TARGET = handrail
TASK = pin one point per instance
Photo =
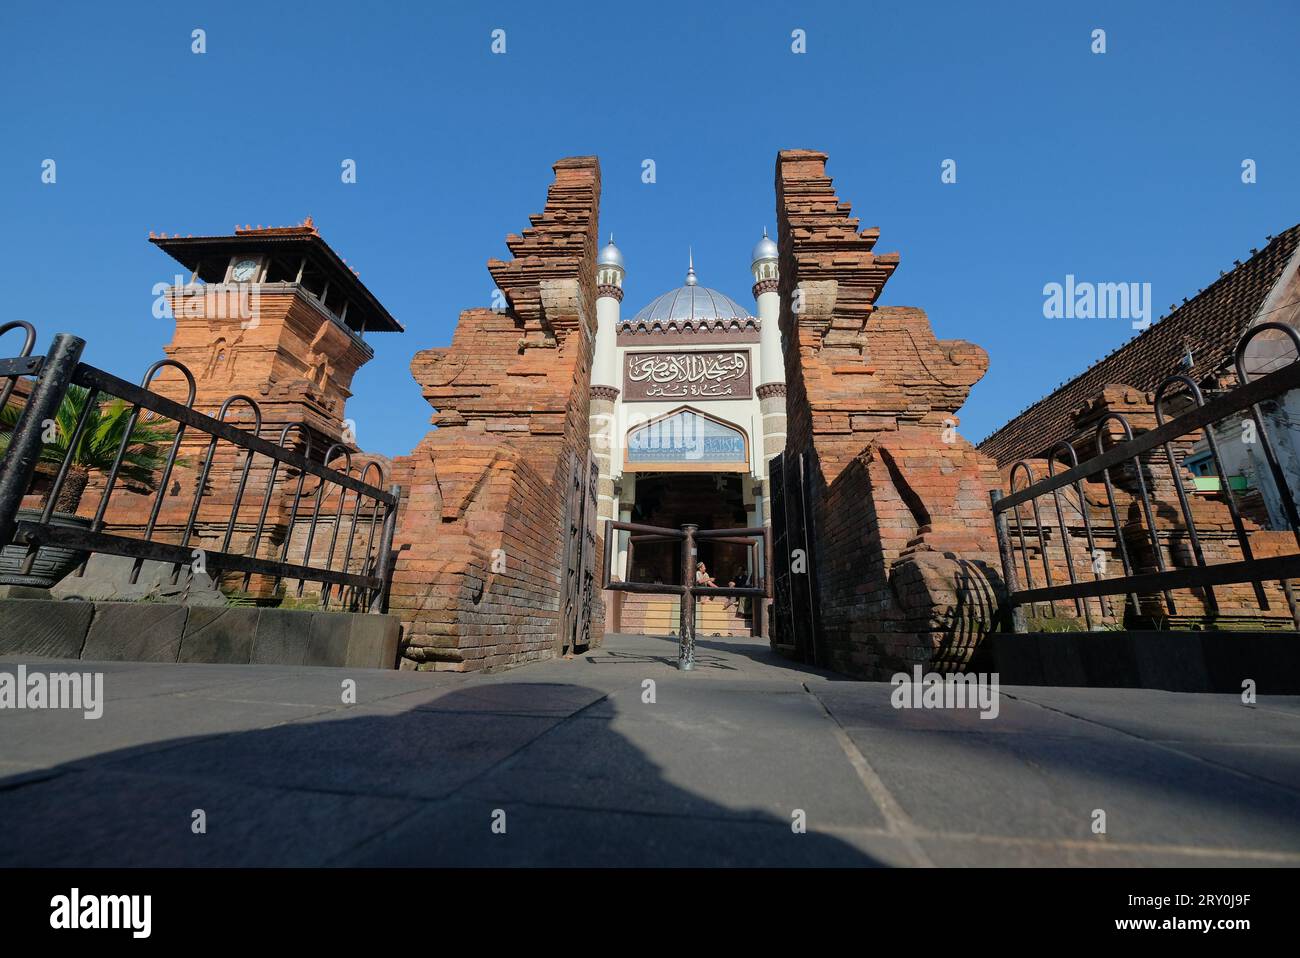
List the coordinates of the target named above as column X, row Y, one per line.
column 61, row 369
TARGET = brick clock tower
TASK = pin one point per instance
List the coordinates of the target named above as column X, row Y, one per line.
column 273, row 314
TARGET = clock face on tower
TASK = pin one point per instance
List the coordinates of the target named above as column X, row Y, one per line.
column 244, row 270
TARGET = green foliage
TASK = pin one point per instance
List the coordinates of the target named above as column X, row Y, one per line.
column 1060, row 623
column 146, row 452
column 308, row 603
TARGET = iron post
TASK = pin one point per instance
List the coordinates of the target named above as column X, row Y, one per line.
column 24, row 453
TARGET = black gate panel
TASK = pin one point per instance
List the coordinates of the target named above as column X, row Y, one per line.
column 781, row 626
column 794, row 619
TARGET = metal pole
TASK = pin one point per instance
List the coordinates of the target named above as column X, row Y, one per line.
column 383, row 566
column 608, row 556
column 686, row 631
column 1009, row 581
column 20, row 461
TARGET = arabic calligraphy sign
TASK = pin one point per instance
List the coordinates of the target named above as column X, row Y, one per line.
column 716, row 374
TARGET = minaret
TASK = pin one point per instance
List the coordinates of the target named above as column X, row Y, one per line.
column 604, row 372
column 771, row 365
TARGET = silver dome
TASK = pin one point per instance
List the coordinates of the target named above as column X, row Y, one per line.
column 610, row 255
column 690, row 302
column 765, row 249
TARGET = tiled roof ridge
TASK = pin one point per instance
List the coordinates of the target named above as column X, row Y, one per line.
column 306, row 228
column 703, row 324
column 1289, row 236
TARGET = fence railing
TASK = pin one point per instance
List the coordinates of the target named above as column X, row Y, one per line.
column 1245, row 398
column 688, row 535
column 55, row 373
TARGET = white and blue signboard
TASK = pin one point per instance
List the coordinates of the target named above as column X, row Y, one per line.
column 686, row 437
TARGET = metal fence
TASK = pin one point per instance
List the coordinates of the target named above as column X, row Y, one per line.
column 54, row 373
column 688, row 590
column 1244, row 398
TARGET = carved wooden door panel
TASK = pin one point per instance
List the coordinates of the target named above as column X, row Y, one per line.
column 587, row 563
column 578, row 594
column 569, row 543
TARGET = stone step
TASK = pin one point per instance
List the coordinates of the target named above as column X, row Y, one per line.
column 659, row 615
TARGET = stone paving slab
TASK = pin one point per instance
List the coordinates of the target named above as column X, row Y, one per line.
column 866, row 705
column 50, row 738
column 142, row 680
column 542, row 835
column 362, row 750
column 108, row 817
column 589, row 773
column 757, row 757
column 951, row 851
column 1047, row 787
column 1171, row 716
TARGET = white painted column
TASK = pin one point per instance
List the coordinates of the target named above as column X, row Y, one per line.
column 771, row 372
column 603, row 407
column 771, row 360
column 604, row 360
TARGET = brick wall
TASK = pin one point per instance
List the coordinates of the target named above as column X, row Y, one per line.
column 905, row 551
column 490, row 482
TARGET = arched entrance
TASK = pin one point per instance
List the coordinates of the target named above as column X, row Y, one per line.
column 685, row 467
column 672, row 499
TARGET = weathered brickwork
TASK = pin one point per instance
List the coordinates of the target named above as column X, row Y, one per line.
column 479, row 575
column 904, row 541
column 479, row 547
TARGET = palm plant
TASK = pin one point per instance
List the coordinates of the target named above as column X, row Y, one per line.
column 96, row 450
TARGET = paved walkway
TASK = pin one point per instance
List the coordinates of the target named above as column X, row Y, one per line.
column 581, row 770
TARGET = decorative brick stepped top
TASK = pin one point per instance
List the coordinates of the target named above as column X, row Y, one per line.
column 511, row 397
column 853, row 369
column 899, row 501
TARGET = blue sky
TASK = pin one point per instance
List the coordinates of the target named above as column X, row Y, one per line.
column 1120, row 167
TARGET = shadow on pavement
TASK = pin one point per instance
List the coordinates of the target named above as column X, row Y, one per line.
column 419, row 786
